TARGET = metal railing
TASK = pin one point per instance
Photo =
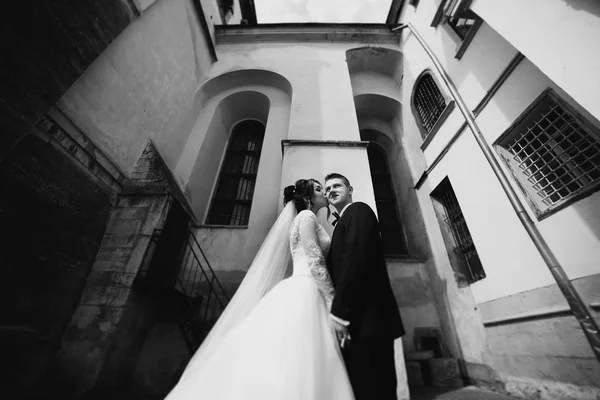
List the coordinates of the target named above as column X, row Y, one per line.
column 203, row 292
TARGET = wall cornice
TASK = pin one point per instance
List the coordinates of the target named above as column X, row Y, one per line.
column 372, row 34
column 323, row 143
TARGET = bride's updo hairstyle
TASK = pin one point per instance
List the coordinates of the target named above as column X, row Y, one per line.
column 300, row 194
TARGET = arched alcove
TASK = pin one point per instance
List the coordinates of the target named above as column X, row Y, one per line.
column 221, row 104
column 240, row 78
column 375, row 70
column 237, row 107
column 377, row 106
column 377, row 60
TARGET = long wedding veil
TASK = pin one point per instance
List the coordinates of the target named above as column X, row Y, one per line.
column 267, row 269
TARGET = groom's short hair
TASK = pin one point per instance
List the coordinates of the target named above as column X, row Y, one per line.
column 335, row 175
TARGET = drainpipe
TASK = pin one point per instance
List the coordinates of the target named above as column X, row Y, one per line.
column 589, row 326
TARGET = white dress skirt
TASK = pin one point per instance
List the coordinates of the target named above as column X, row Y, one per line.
column 285, row 349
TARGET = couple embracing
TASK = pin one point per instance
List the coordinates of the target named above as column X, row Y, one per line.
column 325, row 333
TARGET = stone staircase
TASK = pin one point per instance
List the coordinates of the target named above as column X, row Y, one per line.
column 429, row 366
column 424, row 370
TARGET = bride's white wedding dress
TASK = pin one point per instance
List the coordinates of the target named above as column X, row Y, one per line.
column 285, row 348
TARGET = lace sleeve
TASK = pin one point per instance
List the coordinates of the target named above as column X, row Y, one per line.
column 316, row 259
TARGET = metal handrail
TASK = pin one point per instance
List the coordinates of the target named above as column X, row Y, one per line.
column 195, row 241
column 195, row 272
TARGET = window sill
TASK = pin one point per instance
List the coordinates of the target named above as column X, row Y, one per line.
column 447, row 111
column 541, row 215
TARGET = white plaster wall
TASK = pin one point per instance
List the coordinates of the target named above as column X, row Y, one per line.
column 473, row 75
column 559, row 36
column 322, row 108
column 322, row 104
column 142, row 86
column 373, row 83
column 233, row 249
column 573, row 234
column 316, row 162
column 511, row 262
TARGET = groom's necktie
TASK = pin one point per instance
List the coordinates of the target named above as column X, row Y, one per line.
column 337, row 217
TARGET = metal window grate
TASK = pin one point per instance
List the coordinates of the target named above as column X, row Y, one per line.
column 554, row 153
column 429, row 102
column 465, row 247
column 233, row 197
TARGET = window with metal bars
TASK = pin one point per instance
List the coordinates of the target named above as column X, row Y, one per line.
column 462, row 26
column 392, row 232
column 465, row 28
column 554, row 154
column 232, row 200
column 467, row 265
column 429, row 105
column 461, row 19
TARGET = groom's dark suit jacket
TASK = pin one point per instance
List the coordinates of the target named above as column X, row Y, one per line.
column 363, row 294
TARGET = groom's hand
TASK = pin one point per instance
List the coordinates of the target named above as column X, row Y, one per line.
column 342, row 333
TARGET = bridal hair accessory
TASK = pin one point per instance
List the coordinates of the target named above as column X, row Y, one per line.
column 289, row 192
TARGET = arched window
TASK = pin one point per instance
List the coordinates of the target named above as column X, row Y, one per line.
column 429, row 105
column 392, row 232
column 232, row 199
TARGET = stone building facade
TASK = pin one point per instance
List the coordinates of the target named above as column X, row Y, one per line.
column 148, row 127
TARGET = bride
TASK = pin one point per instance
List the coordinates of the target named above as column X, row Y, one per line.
column 275, row 341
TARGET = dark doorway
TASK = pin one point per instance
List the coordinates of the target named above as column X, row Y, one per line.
column 392, row 231
column 163, row 270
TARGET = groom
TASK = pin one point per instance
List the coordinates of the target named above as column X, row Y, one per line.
column 364, row 310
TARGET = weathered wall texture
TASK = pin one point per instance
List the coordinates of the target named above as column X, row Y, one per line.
column 547, row 346
column 47, row 46
column 143, row 85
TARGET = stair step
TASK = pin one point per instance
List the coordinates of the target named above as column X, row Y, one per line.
column 443, row 372
column 436, row 372
column 419, row 355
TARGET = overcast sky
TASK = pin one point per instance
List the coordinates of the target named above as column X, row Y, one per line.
column 363, row 11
